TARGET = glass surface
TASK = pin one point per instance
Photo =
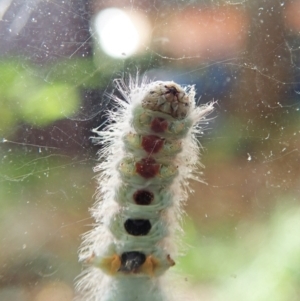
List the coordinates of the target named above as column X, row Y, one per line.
column 57, row 66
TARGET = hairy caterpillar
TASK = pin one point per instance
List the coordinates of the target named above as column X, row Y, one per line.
column 149, row 152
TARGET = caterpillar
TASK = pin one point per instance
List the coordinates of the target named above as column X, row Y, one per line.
column 149, row 153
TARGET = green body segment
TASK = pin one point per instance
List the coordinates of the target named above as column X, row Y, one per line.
column 157, row 232
column 134, row 144
column 175, row 129
column 128, row 171
column 161, row 198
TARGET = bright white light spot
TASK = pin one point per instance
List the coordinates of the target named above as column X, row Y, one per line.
column 117, row 34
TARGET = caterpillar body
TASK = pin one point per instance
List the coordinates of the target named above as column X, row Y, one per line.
column 149, row 152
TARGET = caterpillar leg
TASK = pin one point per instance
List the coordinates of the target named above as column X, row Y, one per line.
column 110, row 265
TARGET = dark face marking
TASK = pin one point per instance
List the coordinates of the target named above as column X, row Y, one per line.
column 159, row 125
column 171, row 90
column 152, row 144
column 143, row 197
column 131, row 261
column 147, row 168
column 137, row 227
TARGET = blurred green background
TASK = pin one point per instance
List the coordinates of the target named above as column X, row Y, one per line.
column 242, row 228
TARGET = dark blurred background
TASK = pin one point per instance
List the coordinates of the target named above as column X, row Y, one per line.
column 58, row 60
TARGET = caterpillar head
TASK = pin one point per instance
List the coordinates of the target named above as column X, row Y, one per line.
column 168, row 98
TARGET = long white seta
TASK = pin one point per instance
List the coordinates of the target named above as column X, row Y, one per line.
column 149, row 151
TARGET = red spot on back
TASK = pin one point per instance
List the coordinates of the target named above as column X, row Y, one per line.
column 159, row 125
column 147, row 168
column 152, row 144
column 143, row 197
